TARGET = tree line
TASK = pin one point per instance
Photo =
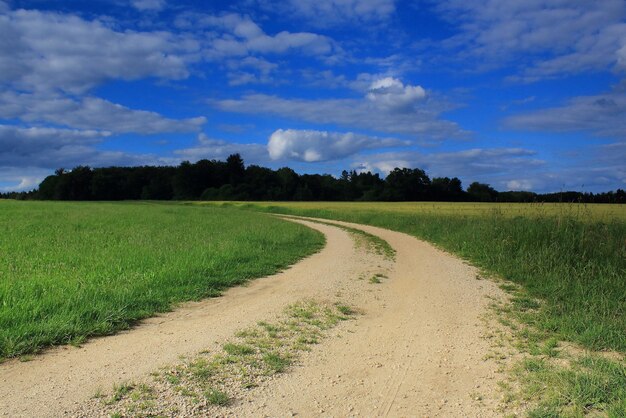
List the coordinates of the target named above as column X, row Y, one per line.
column 232, row 180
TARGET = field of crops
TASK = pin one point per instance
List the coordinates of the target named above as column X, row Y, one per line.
column 581, row 212
column 73, row 270
column 572, row 257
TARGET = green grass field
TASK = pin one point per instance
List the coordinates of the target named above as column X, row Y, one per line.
column 572, row 257
column 73, row 270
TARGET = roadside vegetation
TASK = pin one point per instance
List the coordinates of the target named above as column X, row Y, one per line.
column 69, row 271
column 548, row 377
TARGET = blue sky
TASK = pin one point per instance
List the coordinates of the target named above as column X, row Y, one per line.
column 520, row 94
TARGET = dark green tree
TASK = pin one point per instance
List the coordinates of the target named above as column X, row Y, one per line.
column 235, row 169
column 480, row 192
column 446, row 189
column 407, row 184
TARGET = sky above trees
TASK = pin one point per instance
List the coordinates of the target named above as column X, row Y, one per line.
column 520, row 94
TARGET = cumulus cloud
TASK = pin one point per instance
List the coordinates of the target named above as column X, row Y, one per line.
column 500, row 167
column 602, row 115
column 610, row 159
column 542, row 38
column 238, row 35
column 250, row 70
column 598, row 168
column 42, row 146
column 316, row 146
column 29, row 154
column 33, row 138
column 48, row 63
column 218, row 149
column 50, row 51
column 519, row 184
column 621, row 57
column 148, row 5
column 89, row 113
column 391, row 93
column 323, row 13
column 395, row 109
column 27, row 178
column 51, row 148
column 472, row 162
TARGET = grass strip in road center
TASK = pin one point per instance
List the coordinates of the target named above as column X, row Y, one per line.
column 210, row 381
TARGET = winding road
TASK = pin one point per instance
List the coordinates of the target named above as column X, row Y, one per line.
column 417, row 350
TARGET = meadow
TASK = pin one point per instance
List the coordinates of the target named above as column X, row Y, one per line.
column 69, row 271
column 571, row 257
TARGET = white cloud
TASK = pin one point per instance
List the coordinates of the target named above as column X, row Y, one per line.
column 250, row 70
column 315, row 146
column 209, row 148
column 496, row 166
column 89, row 113
column 475, row 161
column 519, row 184
column 49, row 51
column 597, row 168
column 148, row 5
column 621, row 57
column 391, row 93
column 45, row 147
column 403, row 109
column 261, row 65
column 21, row 179
column 232, row 35
column 542, row 38
column 240, row 78
column 48, row 63
column 603, row 115
column 322, row 78
column 24, row 183
column 610, row 159
column 323, row 13
column 28, row 155
column 53, row 148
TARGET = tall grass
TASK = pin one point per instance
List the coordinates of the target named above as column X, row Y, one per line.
column 73, row 270
column 590, row 212
column 572, row 259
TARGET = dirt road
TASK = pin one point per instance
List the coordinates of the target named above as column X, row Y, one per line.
column 416, row 351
